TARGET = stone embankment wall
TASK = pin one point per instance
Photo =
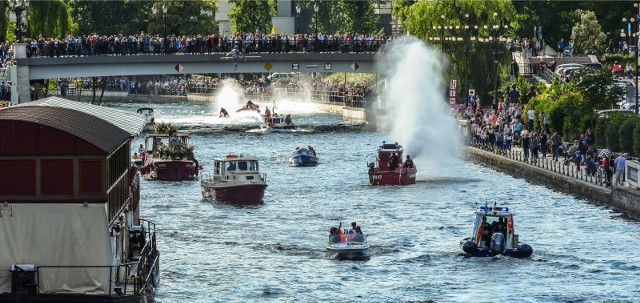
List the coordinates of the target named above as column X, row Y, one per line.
column 624, row 199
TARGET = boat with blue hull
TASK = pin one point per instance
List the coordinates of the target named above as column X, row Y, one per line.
column 304, row 157
column 494, row 234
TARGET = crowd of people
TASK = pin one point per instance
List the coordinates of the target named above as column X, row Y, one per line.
column 508, row 126
column 351, row 94
column 90, row 45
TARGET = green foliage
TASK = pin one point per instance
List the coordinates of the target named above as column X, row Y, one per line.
column 597, row 87
column 181, row 151
column 247, row 16
column 600, row 131
column 400, row 10
column 625, row 133
column 612, row 58
column 49, row 19
column 343, row 17
column 424, row 18
column 133, row 17
column 165, row 128
column 611, row 132
column 587, row 34
column 636, row 140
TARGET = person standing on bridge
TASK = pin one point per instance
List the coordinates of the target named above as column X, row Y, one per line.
column 235, row 54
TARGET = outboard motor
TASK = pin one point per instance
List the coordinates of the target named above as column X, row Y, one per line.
column 497, row 242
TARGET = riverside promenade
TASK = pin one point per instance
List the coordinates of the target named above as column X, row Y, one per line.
column 558, row 176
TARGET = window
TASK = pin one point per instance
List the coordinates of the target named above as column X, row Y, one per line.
column 242, row 165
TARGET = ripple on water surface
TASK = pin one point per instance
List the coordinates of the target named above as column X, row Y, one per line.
column 214, row 252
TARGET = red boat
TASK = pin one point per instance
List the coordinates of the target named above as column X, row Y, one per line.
column 236, row 179
column 250, row 106
column 389, row 167
column 169, row 158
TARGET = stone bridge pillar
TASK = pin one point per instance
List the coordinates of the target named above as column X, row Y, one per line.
column 22, row 85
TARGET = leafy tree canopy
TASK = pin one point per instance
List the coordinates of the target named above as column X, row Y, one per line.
column 587, row 34
column 248, row 16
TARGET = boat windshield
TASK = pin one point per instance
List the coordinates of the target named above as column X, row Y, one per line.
column 347, row 238
column 242, row 166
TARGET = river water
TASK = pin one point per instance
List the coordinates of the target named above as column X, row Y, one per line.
column 214, row 252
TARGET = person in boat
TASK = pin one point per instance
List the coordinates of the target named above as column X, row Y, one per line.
column 408, row 163
column 223, row 113
column 267, row 113
column 358, row 230
column 174, row 141
column 394, row 162
column 486, row 231
column 499, row 226
column 287, row 120
column 313, row 151
column 135, row 156
column 353, row 228
column 140, row 149
column 335, row 230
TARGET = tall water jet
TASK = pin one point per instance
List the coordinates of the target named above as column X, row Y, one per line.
column 414, row 101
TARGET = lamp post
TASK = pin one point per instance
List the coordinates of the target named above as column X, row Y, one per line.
column 316, row 8
column 634, row 37
column 165, row 9
column 441, row 27
column 154, row 11
column 19, row 6
column 497, row 28
column 298, row 10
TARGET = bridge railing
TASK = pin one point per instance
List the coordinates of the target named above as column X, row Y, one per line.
column 111, row 47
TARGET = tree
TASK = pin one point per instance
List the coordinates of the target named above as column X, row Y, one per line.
column 588, row 35
column 343, row 17
column 401, row 8
column 185, row 18
column 48, row 18
column 133, row 17
column 248, row 16
column 424, row 20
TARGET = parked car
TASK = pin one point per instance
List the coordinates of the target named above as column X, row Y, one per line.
column 607, row 112
column 282, row 77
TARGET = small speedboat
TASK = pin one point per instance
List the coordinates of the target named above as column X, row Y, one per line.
column 494, row 234
column 303, row 157
column 348, row 246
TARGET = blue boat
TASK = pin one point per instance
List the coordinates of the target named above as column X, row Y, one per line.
column 494, row 234
column 304, row 157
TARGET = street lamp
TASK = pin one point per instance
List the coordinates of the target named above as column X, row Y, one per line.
column 298, row 9
column 635, row 20
column 19, row 6
column 316, row 8
column 164, row 15
column 441, row 26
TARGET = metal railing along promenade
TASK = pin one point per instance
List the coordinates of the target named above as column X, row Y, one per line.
column 564, row 166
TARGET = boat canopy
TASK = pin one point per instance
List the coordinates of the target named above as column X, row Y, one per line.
column 145, row 110
column 235, row 164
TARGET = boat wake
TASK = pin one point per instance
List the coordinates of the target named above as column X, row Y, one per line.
column 204, row 128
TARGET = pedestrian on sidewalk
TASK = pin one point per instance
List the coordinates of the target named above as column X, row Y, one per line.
column 556, row 141
column 619, row 163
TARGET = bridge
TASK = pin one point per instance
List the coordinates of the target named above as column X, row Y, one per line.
column 28, row 69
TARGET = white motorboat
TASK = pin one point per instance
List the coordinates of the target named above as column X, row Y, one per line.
column 348, row 246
